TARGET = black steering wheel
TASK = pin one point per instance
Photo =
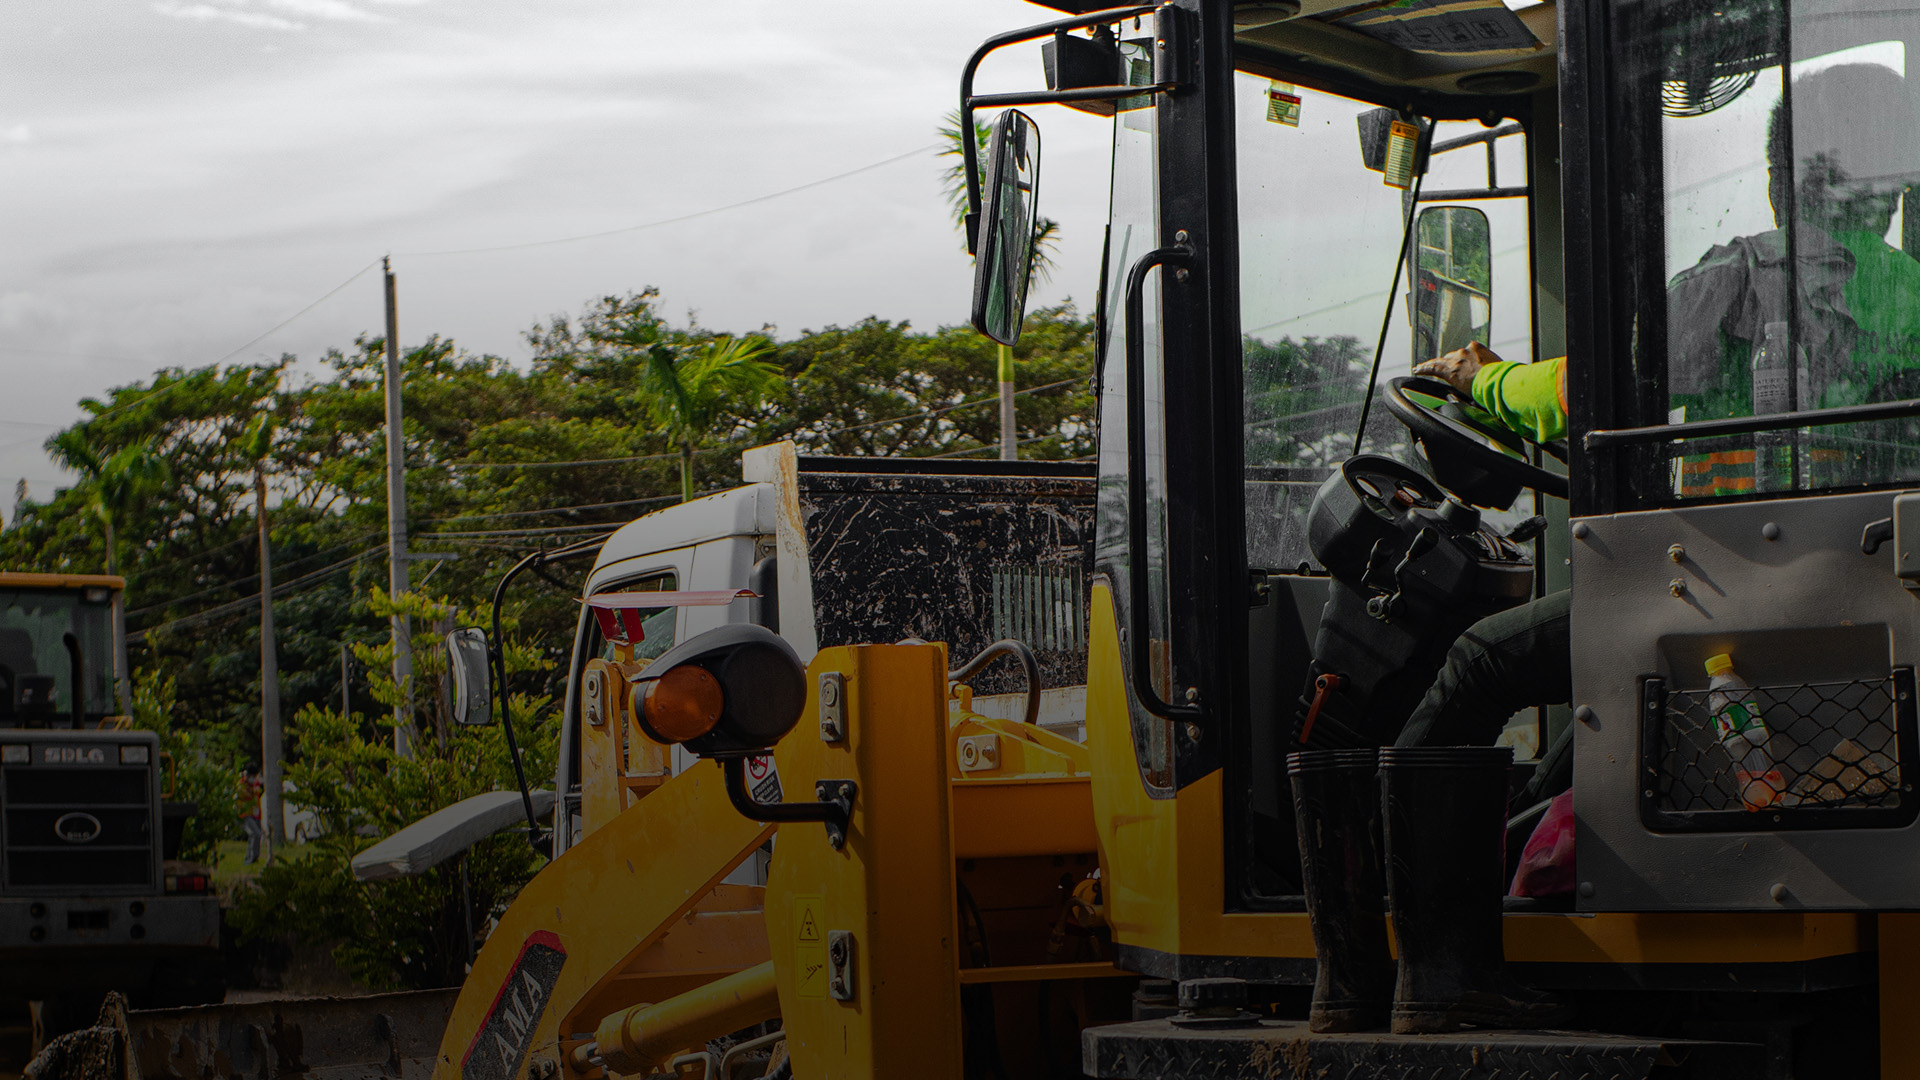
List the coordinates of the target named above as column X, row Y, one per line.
column 1473, row 456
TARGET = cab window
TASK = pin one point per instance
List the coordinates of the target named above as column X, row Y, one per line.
column 1782, row 257
column 1320, row 235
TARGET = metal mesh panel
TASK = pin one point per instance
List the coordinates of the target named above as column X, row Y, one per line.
column 1831, row 751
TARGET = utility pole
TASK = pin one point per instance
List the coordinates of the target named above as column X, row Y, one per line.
column 397, row 530
column 1009, row 435
column 270, row 741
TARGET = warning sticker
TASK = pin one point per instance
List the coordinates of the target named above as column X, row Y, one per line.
column 763, row 779
column 1283, row 104
column 809, row 947
column 1403, row 139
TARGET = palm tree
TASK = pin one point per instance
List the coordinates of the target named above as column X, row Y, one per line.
column 690, row 390
column 112, row 485
column 1040, row 250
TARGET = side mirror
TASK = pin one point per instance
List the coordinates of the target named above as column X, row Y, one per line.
column 733, row 691
column 472, row 676
column 1008, row 212
column 1452, row 281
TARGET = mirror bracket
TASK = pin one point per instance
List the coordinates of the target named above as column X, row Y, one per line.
column 833, row 808
column 970, row 154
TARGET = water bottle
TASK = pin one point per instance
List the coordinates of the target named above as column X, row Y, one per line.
column 1738, row 725
column 1778, row 370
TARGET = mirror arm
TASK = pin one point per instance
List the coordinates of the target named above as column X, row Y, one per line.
column 969, row 152
column 834, row 807
column 496, row 649
column 1137, row 572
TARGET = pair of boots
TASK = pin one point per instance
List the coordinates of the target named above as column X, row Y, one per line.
column 1442, row 813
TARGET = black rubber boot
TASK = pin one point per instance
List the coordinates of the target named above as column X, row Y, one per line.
column 1445, row 817
column 1337, row 812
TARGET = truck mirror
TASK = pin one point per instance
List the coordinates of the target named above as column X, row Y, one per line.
column 1452, row 281
column 1008, row 212
column 732, row 691
column 470, row 658
column 1376, row 131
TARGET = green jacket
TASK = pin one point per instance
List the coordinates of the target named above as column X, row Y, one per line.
column 1528, row 398
column 1859, row 318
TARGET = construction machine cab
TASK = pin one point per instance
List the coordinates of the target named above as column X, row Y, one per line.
column 1638, row 187
column 57, row 660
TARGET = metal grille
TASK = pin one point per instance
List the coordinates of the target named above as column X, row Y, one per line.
column 1043, row 605
column 113, row 804
column 1831, row 757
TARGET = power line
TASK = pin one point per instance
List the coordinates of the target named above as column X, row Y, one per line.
column 674, row 220
column 924, row 414
column 243, row 603
column 550, row 510
column 183, row 381
column 237, row 582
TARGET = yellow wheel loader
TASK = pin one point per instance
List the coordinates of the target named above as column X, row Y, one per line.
column 801, row 832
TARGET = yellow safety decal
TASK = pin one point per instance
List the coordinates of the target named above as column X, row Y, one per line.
column 1403, row 141
column 809, row 946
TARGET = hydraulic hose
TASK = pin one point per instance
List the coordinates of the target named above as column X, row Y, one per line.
column 1006, row 647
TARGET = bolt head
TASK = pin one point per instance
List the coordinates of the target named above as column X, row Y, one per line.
column 1580, row 530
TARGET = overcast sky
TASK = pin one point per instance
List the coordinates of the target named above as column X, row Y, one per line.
column 179, row 176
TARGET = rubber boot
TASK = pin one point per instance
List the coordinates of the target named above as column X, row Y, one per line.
column 1337, row 812
column 1444, row 809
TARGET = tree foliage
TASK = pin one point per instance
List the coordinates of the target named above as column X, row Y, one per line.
column 620, row 412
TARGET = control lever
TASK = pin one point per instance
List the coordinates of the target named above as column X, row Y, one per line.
column 1527, row 529
column 1874, row 535
column 1387, row 607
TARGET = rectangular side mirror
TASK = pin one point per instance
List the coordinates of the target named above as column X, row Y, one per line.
column 1003, row 260
column 470, row 657
column 1452, row 281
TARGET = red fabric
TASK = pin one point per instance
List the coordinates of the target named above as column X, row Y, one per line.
column 1546, row 863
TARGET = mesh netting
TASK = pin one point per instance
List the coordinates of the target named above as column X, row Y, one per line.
column 1825, row 746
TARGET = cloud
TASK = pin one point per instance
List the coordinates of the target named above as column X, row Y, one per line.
column 338, row 10
column 18, row 133
column 210, row 13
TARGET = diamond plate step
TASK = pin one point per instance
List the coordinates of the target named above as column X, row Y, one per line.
column 1162, row 1050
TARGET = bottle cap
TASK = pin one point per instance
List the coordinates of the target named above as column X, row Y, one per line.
column 1719, row 664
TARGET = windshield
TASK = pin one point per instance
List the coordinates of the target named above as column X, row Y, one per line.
column 35, row 663
column 1784, row 145
column 1320, row 234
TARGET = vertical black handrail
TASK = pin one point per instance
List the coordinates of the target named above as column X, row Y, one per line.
column 1139, row 595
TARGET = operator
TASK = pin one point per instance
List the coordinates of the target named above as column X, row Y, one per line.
column 1856, row 136
column 1521, row 656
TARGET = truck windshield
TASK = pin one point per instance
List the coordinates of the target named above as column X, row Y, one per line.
column 1783, row 142
column 1319, row 236
column 33, row 626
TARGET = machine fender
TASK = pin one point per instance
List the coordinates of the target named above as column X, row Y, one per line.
column 576, row 926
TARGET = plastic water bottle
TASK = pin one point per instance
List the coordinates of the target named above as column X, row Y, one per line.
column 1777, row 368
column 1738, row 724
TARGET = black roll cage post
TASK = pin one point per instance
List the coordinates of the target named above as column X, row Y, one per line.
column 497, row 648
column 970, row 154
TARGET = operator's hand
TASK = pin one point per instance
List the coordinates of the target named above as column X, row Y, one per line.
column 1458, row 367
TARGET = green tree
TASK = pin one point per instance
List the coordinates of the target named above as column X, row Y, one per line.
column 405, row 933
column 703, row 390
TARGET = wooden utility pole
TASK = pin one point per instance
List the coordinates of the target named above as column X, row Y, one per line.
column 270, row 741
column 397, row 530
column 1009, row 434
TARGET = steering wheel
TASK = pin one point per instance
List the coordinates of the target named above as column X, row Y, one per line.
column 1472, row 454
